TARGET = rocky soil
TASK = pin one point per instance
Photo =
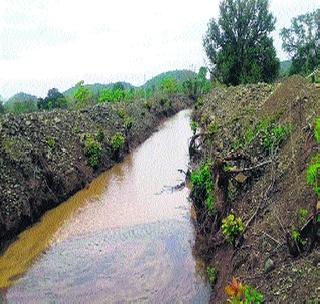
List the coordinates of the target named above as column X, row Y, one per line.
column 43, row 156
column 259, row 141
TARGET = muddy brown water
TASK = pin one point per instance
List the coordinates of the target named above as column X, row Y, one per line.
column 126, row 239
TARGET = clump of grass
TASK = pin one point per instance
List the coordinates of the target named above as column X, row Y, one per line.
column 201, row 181
column 212, row 273
column 117, row 142
column 194, row 126
column 317, row 131
column 51, row 142
column 213, row 128
column 313, row 174
column 128, row 123
column 93, row 150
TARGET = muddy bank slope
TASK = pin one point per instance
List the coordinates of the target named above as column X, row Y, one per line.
column 46, row 157
column 258, row 142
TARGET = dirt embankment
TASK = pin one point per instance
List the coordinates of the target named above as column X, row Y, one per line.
column 47, row 157
column 259, row 141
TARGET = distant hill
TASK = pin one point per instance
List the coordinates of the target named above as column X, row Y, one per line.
column 179, row 75
column 96, row 88
column 2, row 99
column 285, row 67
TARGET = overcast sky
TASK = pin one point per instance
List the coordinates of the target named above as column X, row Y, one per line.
column 56, row 43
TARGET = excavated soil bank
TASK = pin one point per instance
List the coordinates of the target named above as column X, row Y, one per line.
column 264, row 185
column 43, row 158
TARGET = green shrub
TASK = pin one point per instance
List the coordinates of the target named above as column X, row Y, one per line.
column 296, row 236
column 93, row 150
column 232, row 227
column 117, row 142
column 51, row 142
column 317, row 130
column 313, row 174
column 212, row 273
column 147, row 105
column 194, row 126
column 100, row 136
column 122, row 113
column 128, row 123
column 212, row 128
column 302, row 216
column 201, row 180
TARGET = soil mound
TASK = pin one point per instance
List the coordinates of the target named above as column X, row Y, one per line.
column 259, row 141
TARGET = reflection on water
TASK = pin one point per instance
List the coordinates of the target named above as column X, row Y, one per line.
column 117, row 241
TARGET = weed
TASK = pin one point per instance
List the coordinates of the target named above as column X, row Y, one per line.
column 201, row 180
column 313, row 174
column 317, row 130
column 117, row 142
column 212, row 273
column 128, row 123
column 100, row 136
column 147, row 105
column 296, row 237
column 51, row 142
column 302, row 216
column 194, row 126
column 239, row 293
column 122, row 113
column 232, row 227
column 93, row 150
column 213, row 128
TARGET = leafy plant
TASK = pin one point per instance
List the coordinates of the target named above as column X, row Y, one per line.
column 201, row 180
column 317, row 130
column 239, row 293
column 93, row 150
column 128, row 123
column 313, row 174
column 296, row 236
column 100, row 136
column 212, row 128
column 212, row 273
column 51, row 142
column 194, row 126
column 122, row 113
column 117, row 142
column 232, row 227
column 302, row 216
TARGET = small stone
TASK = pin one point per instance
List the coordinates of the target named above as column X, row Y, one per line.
column 269, row 265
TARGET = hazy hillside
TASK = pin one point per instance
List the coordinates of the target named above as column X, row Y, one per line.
column 179, row 75
column 21, row 102
column 96, row 88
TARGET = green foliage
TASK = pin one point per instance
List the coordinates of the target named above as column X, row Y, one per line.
column 300, row 41
column 117, row 142
column 238, row 44
column 317, row 130
column 213, row 128
column 253, row 296
column 212, row 273
column 2, row 110
column 302, row 216
column 51, row 142
column 201, row 180
column 313, row 174
column 232, row 227
column 100, row 136
column 54, row 99
column 147, row 104
column 197, row 85
column 93, row 151
column 296, row 237
column 169, row 86
column 194, row 126
column 122, row 113
column 128, row 123
column 82, row 94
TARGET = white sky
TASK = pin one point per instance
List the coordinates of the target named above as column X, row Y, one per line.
column 56, row 43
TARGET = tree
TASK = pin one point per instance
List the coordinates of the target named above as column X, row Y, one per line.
column 82, row 95
column 169, row 86
column 302, row 42
column 54, row 99
column 238, row 45
column 2, row 110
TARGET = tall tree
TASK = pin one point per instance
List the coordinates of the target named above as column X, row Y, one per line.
column 302, row 42
column 54, row 99
column 82, row 95
column 238, row 44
